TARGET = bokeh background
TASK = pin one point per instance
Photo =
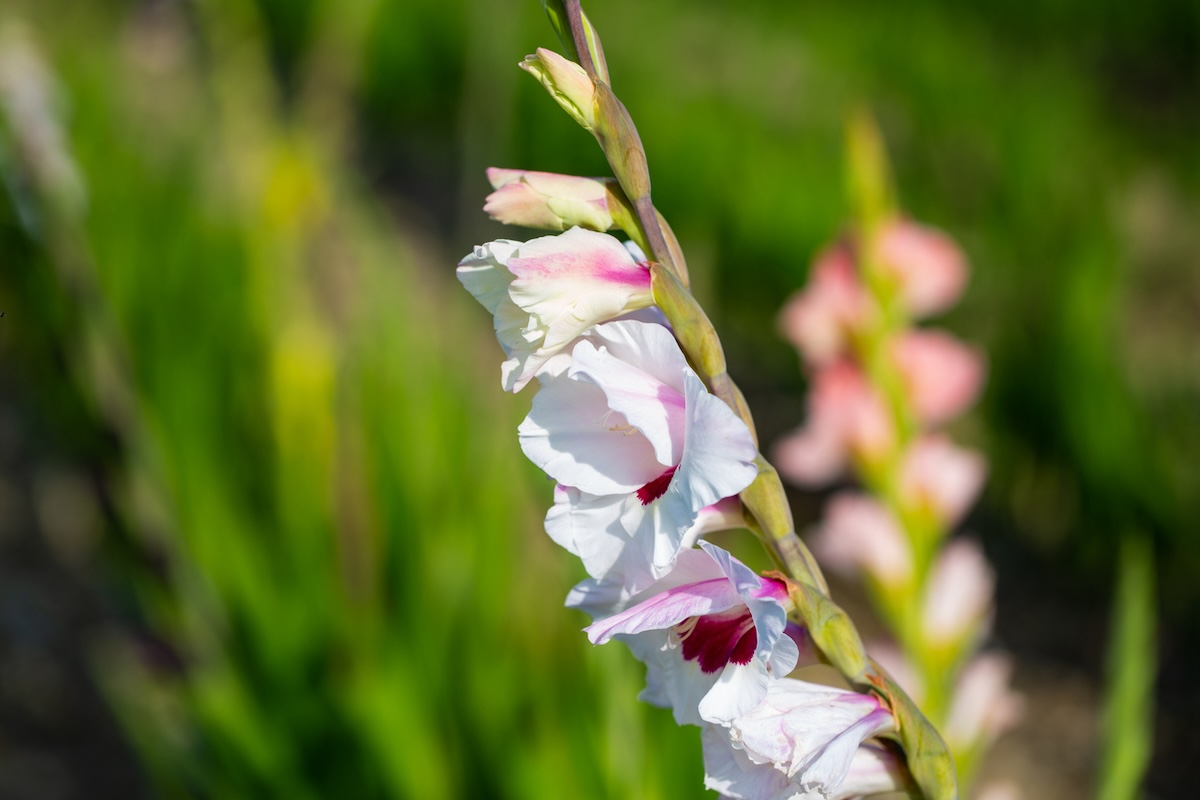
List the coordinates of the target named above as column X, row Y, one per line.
column 265, row 530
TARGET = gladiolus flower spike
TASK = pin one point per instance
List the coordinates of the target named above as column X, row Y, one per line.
column 651, row 447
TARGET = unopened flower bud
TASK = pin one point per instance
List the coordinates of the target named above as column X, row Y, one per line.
column 549, row 201
column 567, row 83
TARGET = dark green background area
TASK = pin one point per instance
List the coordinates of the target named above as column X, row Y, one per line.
column 277, row 195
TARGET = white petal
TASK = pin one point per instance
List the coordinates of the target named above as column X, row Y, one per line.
column 590, row 527
column 572, row 435
column 638, row 340
column 484, row 275
column 729, row 771
column 810, row 731
column 737, row 691
column 718, row 456
column 654, row 408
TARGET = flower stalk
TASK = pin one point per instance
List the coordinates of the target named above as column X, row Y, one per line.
column 642, row 427
column 879, row 386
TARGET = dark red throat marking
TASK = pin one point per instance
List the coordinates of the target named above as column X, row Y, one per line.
column 719, row 639
column 657, row 487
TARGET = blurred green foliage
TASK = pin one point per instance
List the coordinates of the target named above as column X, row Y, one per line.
column 319, row 509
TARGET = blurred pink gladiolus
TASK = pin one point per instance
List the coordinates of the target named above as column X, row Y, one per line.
column 858, row 534
column 941, row 375
column 984, row 706
column 822, row 319
column 958, row 597
column 941, row 478
column 547, row 200
column 926, row 263
column 545, row 292
column 846, row 418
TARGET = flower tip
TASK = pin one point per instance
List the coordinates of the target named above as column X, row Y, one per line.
column 498, row 176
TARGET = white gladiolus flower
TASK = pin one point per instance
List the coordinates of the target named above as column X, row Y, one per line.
column 638, row 446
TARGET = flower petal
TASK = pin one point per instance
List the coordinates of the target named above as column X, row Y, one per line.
column 718, row 453
column 667, row 609
column 573, row 435
column 648, row 404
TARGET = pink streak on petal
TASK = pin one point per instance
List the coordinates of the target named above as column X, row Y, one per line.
column 773, row 589
column 606, row 265
column 667, row 609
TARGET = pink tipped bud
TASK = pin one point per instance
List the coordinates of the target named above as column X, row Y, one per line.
column 943, row 376
column 958, row 597
column 927, row 264
column 941, row 479
column 822, row 319
column 549, row 201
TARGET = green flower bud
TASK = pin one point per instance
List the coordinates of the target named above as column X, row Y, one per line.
column 567, row 83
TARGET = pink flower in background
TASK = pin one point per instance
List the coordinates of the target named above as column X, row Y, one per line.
column 941, row 478
column 821, row 319
column 729, row 770
column 547, row 200
column 712, row 633
column 546, row 292
column 958, row 597
column 941, row 375
column 639, row 447
column 808, row 733
column 846, row 417
column 859, row 535
column 928, row 266
column 984, row 706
